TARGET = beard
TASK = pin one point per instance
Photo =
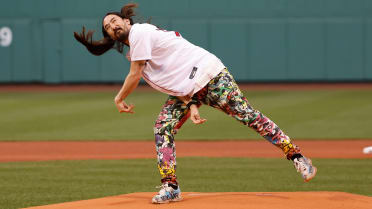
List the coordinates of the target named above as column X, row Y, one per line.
column 121, row 35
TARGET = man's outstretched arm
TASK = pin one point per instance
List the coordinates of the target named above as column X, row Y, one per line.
column 130, row 83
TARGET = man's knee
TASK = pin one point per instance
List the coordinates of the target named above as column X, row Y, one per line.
column 161, row 139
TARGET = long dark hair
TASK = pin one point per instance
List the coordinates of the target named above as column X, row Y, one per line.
column 101, row 46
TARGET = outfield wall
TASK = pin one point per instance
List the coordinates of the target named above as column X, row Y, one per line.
column 259, row 40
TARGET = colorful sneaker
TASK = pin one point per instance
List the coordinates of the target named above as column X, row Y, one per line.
column 168, row 193
column 304, row 166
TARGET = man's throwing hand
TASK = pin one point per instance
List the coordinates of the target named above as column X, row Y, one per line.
column 123, row 107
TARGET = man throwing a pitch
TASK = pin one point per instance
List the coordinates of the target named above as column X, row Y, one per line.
column 191, row 76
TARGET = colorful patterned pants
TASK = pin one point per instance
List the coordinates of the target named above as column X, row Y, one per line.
column 221, row 93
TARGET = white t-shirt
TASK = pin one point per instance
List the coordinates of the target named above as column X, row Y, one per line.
column 174, row 65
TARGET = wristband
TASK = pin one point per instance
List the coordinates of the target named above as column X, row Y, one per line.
column 188, row 105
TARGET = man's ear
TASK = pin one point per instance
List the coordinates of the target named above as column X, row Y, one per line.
column 127, row 21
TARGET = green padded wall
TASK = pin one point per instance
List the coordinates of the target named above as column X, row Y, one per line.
column 258, row 40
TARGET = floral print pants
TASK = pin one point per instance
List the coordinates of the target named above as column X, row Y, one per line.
column 222, row 93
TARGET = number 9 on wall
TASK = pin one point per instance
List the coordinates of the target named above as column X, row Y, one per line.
column 6, row 36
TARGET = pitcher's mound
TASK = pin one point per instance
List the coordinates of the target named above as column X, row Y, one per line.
column 246, row 200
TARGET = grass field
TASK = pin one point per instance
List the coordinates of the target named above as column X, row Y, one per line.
column 26, row 184
column 317, row 114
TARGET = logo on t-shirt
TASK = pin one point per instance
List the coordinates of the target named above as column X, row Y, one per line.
column 193, row 72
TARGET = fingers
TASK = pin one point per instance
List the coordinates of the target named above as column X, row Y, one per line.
column 194, row 115
column 127, row 108
column 200, row 121
column 130, row 108
column 197, row 120
column 123, row 107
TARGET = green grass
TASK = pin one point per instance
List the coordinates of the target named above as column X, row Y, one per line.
column 25, row 184
column 318, row 114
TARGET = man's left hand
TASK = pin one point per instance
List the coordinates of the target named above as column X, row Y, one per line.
column 194, row 115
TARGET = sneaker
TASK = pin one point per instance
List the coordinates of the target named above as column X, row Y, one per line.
column 304, row 166
column 168, row 193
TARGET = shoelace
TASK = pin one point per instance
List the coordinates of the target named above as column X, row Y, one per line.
column 161, row 187
column 300, row 165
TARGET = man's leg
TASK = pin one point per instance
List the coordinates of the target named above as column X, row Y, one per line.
column 170, row 119
column 223, row 93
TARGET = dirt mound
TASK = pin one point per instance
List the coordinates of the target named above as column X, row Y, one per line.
column 246, row 200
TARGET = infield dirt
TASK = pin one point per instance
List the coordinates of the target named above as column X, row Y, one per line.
column 40, row 151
